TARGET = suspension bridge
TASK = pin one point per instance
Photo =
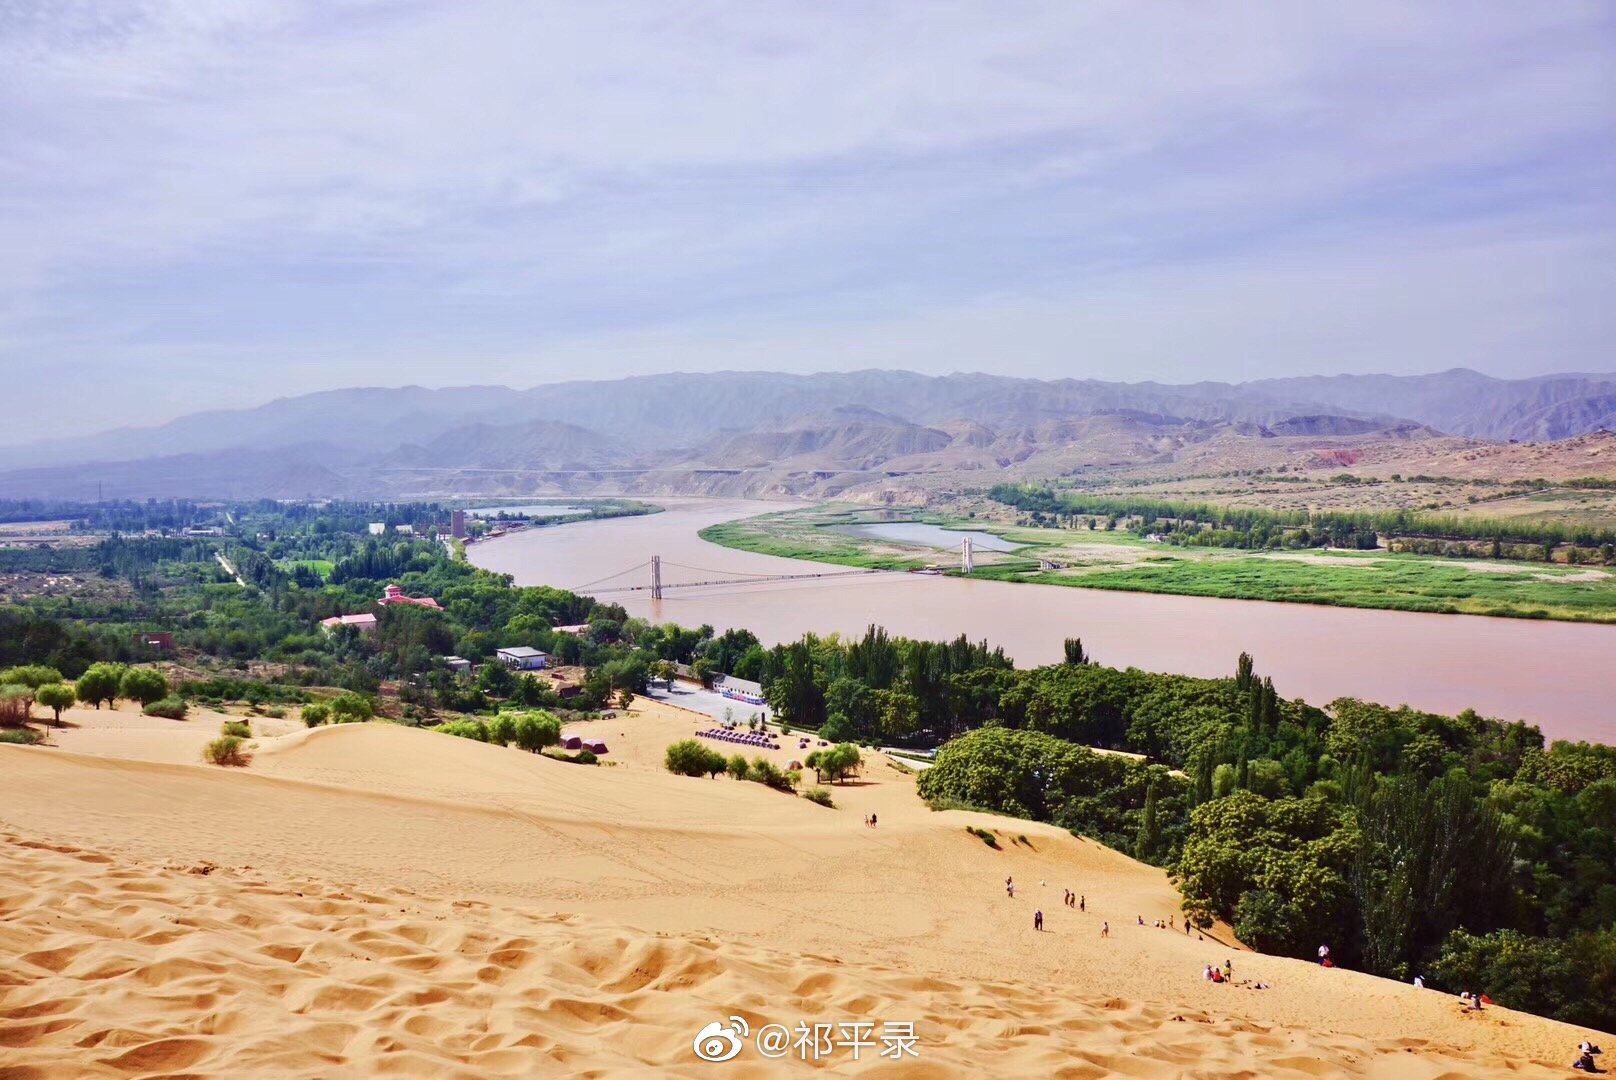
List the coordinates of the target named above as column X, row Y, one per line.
column 654, row 584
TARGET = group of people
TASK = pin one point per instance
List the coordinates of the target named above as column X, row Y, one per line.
column 1081, row 903
column 1216, row 974
column 1585, row 1057
column 869, row 821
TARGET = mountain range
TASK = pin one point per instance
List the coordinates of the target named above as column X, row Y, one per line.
column 759, row 432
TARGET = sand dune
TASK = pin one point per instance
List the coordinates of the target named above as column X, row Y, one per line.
column 377, row 900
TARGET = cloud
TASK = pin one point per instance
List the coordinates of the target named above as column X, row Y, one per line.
column 304, row 195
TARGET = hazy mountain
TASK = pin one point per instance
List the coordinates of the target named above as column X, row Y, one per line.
column 850, row 437
column 1464, row 402
column 530, row 444
column 298, row 472
column 384, row 441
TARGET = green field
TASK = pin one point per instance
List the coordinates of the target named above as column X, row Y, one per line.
column 1123, row 561
column 319, row 566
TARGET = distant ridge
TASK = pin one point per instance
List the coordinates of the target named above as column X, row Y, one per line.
column 383, row 440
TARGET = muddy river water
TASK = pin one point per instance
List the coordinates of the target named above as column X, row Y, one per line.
column 1560, row 676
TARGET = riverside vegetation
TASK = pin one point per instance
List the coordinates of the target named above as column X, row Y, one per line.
column 1399, row 560
column 1456, row 847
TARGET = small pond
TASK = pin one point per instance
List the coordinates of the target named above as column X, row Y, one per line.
column 919, row 532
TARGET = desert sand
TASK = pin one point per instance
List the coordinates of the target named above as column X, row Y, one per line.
column 376, row 900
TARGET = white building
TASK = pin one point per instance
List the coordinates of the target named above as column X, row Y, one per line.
column 523, row 658
column 377, row 527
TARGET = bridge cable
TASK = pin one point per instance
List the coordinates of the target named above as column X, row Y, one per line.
column 608, row 577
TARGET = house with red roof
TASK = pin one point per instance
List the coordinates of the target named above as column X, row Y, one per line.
column 365, row 624
column 393, row 594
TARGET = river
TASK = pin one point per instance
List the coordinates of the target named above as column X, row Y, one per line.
column 1560, row 676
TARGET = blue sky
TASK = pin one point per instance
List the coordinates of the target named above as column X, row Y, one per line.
column 215, row 204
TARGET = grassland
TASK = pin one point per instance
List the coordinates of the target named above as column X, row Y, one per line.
column 322, row 567
column 1123, row 561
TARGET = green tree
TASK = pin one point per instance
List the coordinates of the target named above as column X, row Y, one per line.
column 1149, row 828
column 836, row 762
column 502, row 730
column 738, row 767
column 33, row 676
column 56, row 697
column 1428, row 848
column 537, row 730
column 687, row 757
column 1297, row 850
column 900, row 714
column 316, row 713
column 99, row 683
column 496, row 679
column 1074, row 651
column 143, row 684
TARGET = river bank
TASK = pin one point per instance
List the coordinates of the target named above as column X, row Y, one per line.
column 1554, row 674
column 1120, row 560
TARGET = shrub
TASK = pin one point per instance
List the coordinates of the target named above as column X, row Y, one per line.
column 225, row 750
column 20, row 736
column 227, row 689
column 239, row 728
column 768, row 774
column 275, row 712
column 819, row 795
column 316, row 714
column 466, row 729
column 687, row 757
column 169, row 708
column 143, row 684
column 737, row 767
column 351, row 708
column 983, row 835
column 16, row 705
column 582, row 757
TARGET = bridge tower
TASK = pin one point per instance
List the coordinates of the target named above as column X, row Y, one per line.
column 967, row 561
column 656, row 577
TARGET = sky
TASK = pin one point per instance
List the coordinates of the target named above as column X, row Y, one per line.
column 207, row 204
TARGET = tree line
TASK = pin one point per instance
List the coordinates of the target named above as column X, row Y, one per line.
column 1248, row 527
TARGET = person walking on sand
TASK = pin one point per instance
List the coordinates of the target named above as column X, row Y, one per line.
column 1105, row 929
column 1010, row 889
column 1082, row 903
column 1038, row 919
column 1186, row 926
column 872, row 821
